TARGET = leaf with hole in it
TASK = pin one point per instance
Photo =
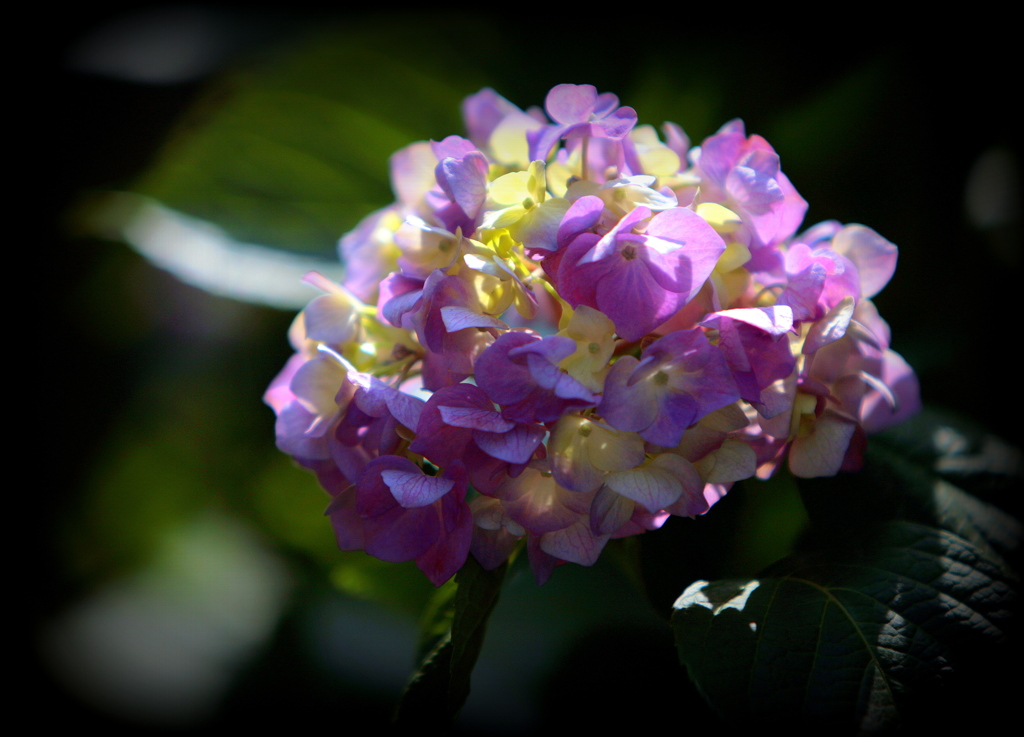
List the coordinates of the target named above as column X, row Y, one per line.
column 848, row 637
column 452, row 637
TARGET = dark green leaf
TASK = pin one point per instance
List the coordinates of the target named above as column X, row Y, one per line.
column 452, row 637
column 849, row 636
column 922, row 471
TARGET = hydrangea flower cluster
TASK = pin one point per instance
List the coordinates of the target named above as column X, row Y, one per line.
column 567, row 329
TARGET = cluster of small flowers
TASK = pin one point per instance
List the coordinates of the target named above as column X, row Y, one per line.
column 592, row 328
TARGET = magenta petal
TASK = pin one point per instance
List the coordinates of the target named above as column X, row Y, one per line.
column 830, row 328
column 794, row 208
column 876, row 413
column 577, row 282
column 605, row 103
column 608, row 243
column 752, row 183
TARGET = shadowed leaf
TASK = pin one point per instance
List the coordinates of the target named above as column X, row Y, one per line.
column 452, row 635
column 846, row 637
column 923, row 471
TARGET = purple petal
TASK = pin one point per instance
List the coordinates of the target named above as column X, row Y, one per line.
column 874, row 257
column 655, row 488
column 605, row 103
column 572, row 103
column 621, row 405
column 502, row 380
column 416, row 489
column 483, row 112
column 616, row 125
column 772, row 320
column 752, row 183
column 345, row 519
column 675, row 413
column 465, row 181
column 539, row 504
column 583, row 215
column 576, row 543
column 632, row 298
column 609, row 511
column 476, row 419
column 515, row 446
column 553, row 349
column 402, row 534
column 455, row 147
column 459, row 318
column 541, row 141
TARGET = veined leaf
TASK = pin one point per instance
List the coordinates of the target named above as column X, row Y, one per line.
column 848, row 636
column 923, row 471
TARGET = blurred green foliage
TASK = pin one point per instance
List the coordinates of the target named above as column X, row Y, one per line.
column 294, row 152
